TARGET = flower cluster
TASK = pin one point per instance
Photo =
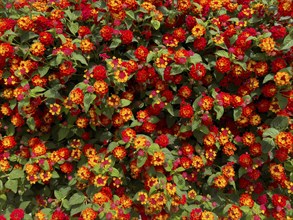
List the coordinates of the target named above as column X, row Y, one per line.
column 146, row 109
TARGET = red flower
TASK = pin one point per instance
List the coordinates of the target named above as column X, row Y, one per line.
column 59, row 215
column 245, row 160
column 278, row 64
column 83, row 31
column 99, row 72
column 279, row 200
column 107, row 32
column 278, row 32
column 17, row 214
column 141, row 53
column 46, row 38
column 126, row 36
column 186, row 111
column 162, row 140
column 200, row 43
column 223, row 65
column 197, row 71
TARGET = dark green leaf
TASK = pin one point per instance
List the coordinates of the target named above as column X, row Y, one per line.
column 31, row 123
column 237, row 113
column 282, row 101
column 62, row 133
column 79, row 57
column 141, row 161
column 280, row 123
column 88, row 100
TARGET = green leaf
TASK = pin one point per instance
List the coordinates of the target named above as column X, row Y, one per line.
column 179, row 181
column 76, row 198
column 12, row 184
column 153, row 148
column 267, row 145
column 150, row 56
column 24, row 204
column 31, row 123
column 189, row 39
column 288, row 42
column 242, row 64
column 135, row 123
column 62, row 133
column 282, row 101
column 195, row 58
column 125, row 102
column 156, row 24
column 195, row 124
column 222, row 53
column 3, row 199
column 141, row 161
column 11, row 130
column 130, row 14
column 170, row 109
column 185, row 128
column 34, row 92
column 16, row 174
column 72, row 15
column 270, row 132
column 43, row 70
column 288, row 166
column 88, row 100
column 112, row 146
column 63, row 192
column 280, row 123
column 237, row 113
column 268, row 77
column 73, row 27
column 77, row 209
column 219, row 110
column 53, row 93
column 79, row 57
column 115, row 172
column 115, row 43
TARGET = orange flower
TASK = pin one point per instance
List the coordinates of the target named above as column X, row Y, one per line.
column 101, row 87
column 76, row 96
column 234, row 212
column 282, row 78
column 100, row 198
column 158, row 159
column 246, row 200
column 86, row 46
column 100, row 180
column 8, row 142
column 55, row 109
column 119, row 152
column 37, row 49
column 198, row 31
column 89, row 214
column 267, row 45
column 39, row 149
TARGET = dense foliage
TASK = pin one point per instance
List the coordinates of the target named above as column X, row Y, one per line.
column 128, row 109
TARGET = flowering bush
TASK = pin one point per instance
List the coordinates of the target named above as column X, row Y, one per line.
column 128, row 109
